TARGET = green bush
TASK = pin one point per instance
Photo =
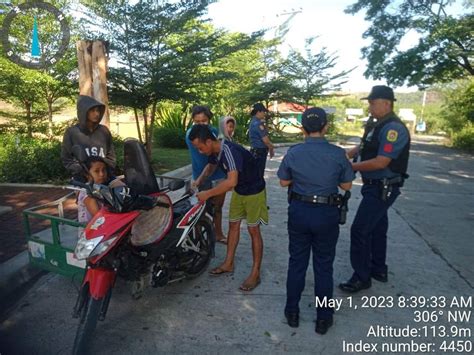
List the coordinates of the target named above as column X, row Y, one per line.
column 170, row 137
column 37, row 160
column 118, row 147
column 29, row 160
column 171, row 116
column 464, row 139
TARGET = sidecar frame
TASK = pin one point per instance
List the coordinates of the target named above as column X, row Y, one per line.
column 52, row 249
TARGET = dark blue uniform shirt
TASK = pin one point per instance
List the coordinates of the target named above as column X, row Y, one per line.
column 235, row 157
column 392, row 137
column 257, row 131
column 316, row 167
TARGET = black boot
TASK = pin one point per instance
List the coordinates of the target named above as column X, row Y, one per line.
column 293, row 319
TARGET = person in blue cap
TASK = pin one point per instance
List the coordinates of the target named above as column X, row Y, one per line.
column 384, row 153
column 313, row 171
column 260, row 142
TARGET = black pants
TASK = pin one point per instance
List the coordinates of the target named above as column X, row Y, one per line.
column 260, row 154
column 312, row 229
column 369, row 232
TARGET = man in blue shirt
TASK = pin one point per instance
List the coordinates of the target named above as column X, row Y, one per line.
column 203, row 115
column 248, row 198
column 384, row 153
column 259, row 141
column 313, row 171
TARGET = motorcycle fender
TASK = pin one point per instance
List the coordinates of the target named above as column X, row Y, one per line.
column 189, row 220
column 100, row 281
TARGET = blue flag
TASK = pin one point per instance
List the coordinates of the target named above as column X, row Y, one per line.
column 35, row 47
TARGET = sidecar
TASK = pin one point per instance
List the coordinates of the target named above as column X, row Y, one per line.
column 52, row 248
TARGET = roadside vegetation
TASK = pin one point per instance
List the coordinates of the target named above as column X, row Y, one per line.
column 188, row 61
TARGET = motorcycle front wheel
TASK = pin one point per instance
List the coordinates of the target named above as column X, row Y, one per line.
column 201, row 235
column 87, row 324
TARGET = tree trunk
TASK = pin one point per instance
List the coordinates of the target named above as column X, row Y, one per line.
column 92, row 61
column 50, row 118
column 135, row 111
column 184, row 105
column 29, row 120
column 99, row 77
column 149, row 141
column 145, row 124
column 84, row 61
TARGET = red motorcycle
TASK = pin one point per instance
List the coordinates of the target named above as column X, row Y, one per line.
column 139, row 235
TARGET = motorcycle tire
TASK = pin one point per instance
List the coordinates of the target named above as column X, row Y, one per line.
column 204, row 230
column 87, row 324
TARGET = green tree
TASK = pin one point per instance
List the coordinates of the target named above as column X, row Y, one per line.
column 273, row 85
column 38, row 91
column 311, row 74
column 458, row 108
column 247, row 81
column 164, row 52
column 22, row 87
column 444, row 49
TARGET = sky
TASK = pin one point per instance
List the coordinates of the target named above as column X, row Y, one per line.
column 338, row 32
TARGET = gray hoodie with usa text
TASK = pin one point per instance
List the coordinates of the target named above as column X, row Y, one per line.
column 96, row 142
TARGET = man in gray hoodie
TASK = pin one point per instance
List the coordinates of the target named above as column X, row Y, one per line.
column 89, row 134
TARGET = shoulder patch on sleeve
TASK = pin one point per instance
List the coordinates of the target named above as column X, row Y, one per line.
column 388, row 148
column 392, row 135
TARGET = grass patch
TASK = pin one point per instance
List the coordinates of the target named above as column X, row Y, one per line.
column 168, row 159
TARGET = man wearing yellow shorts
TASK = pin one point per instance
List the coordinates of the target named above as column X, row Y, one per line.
column 248, row 199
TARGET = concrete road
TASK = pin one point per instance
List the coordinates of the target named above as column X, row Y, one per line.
column 426, row 258
column 438, row 203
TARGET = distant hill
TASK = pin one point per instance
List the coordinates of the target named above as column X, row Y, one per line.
column 409, row 98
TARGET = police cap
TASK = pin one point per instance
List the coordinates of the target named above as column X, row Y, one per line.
column 381, row 92
column 314, row 119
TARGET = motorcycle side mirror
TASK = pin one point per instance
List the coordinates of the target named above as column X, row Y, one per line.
column 79, row 153
column 176, row 185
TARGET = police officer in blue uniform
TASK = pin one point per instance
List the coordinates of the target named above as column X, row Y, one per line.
column 384, row 155
column 259, row 141
column 313, row 171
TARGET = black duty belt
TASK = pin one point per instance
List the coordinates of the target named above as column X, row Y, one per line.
column 259, row 149
column 398, row 180
column 333, row 200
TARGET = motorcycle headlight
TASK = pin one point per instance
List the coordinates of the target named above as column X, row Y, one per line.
column 85, row 247
column 102, row 247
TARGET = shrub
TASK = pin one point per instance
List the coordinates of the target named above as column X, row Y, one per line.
column 464, row 139
column 171, row 116
column 30, row 160
column 118, row 146
column 37, row 160
column 170, row 137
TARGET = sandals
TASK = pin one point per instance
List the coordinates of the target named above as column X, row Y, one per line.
column 218, row 271
column 249, row 287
